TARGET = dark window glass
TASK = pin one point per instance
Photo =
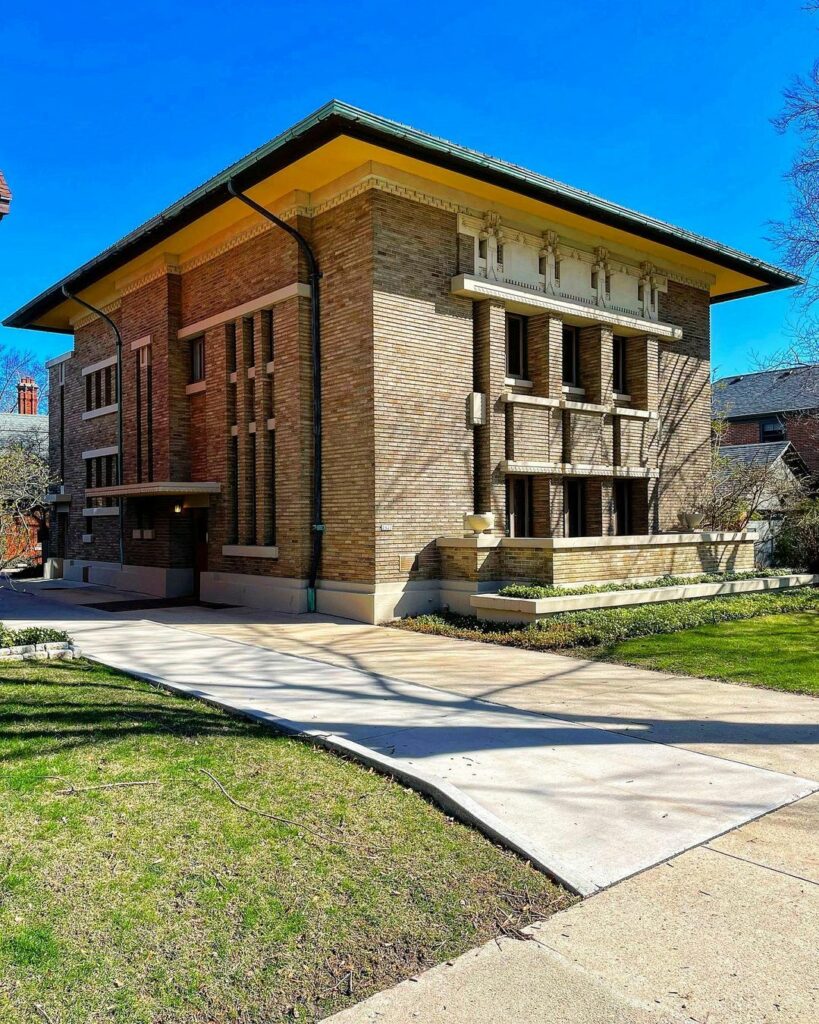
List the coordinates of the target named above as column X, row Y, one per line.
column 197, row 360
column 575, row 494
column 517, row 356
column 622, row 507
column 571, row 356
column 98, row 389
column 107, row 385
column 89, row 404
column 619, row 361
column 89, row 468
column 519, row 506
column 772, row 429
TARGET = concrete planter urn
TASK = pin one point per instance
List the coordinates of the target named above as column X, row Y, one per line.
column 478, row 522
column 690, row 520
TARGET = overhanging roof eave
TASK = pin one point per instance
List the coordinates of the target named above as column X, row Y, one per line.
column 336, row 118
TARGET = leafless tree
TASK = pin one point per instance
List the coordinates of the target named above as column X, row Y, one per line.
column 24, row 481
column 14, row 364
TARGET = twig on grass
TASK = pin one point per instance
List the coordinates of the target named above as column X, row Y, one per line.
column 42, row 1013
column 71, row 789
column 300, row 825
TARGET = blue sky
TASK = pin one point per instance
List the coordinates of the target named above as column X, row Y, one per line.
column 113, row 111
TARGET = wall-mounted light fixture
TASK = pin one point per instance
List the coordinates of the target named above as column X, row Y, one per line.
column 178, row 506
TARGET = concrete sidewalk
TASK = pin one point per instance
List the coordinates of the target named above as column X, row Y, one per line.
column 590, row 805
column 725, row 933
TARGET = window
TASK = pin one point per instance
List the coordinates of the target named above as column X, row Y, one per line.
column 622, row 508
column 519, row 506
column 197, row 360
column 608, row 285
column 499, row 251
column 772, row 429
column 517, row 355
column 557, row 271
column 571, row 355
column 101, row 388
column 482, row 248
column 595, row 278
column 619, row 364
column 575, row 508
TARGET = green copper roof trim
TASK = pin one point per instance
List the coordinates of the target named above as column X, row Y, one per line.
column 335, row 119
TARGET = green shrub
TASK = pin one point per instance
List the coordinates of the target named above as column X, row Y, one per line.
column 31, row 635
column 798, row 538
column 607, row 626
column 537, row 590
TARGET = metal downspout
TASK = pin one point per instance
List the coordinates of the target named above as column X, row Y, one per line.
column 121, row 455
column 315, row 353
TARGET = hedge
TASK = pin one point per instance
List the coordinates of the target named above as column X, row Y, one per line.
column 31, row 635
column 607, row 626
column 536, row 590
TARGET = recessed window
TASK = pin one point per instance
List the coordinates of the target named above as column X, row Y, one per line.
column 557, row 271
column 772, row 429
column 620, row 347
column 517, row 355
column 595, row 278
column 608, row 285
column 571, row 355
column 500, row 254
column 482, row 248
column 519, row 506
column 575, row 508
column 197, row 360
column 622, row 508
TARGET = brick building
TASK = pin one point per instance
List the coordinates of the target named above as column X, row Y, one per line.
column 772, row 406
column 487, row 340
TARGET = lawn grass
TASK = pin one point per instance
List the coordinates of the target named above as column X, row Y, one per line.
column 781, row 652
column 166, row 903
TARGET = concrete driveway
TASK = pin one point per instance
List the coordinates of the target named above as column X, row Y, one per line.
column 588, row 797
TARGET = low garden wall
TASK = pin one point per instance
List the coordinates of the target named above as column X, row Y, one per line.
column 486, row 559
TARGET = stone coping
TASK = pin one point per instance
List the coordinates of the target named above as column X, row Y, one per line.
column 487, row 540
column 497, row 608
column 512, row 398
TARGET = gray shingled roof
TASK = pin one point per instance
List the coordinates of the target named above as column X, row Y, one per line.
column 764, row 454
column 27, row 429
column 754, row 394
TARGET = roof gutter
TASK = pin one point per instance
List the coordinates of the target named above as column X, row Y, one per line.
column 317, row 528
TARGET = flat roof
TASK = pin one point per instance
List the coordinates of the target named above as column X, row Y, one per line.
column 337, row 119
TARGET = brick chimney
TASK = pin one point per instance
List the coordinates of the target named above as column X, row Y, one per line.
column 27, row 397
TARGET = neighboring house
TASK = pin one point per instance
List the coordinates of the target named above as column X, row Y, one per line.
column 784, row 468
column 774, row 405
column 490, row 340
column 5, row 197
column 28, row 428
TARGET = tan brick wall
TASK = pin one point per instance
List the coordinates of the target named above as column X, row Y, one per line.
column 534, row 433
column 590, row 438
column 635, row 442
column 423, row 370
column 577, row 565
column 684, row 400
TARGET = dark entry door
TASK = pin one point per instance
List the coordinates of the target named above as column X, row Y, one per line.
column 200, row 546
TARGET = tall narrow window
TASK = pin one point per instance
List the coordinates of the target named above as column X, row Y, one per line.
column 571, row 355
column 519, row 506
column 622, row 508
column 482, row 248
column 272, row 442
column 517, row 355
column 251, row 488
column 575, row 508
column 197, row 360
column 234, row 489
column 499, row 251
column 230, row 342
column 98, row 389
column 620, row 346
